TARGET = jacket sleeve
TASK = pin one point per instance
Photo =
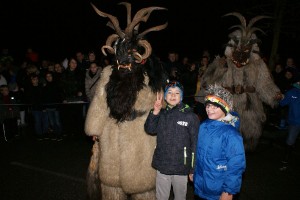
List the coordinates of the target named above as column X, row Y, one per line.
column 236, row 164
column 151, row 123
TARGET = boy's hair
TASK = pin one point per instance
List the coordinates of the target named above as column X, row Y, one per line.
column 219, row 96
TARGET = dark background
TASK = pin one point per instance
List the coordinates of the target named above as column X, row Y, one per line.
column 56, row 29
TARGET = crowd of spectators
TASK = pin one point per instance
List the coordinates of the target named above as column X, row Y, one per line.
column 54, row 95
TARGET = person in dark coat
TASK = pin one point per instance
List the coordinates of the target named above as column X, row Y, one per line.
column 52, row 99
column 34, row 97
column 176, row 128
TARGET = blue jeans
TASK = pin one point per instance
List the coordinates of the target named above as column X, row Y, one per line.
column 40, row 122
column 293, row 133
column 54, row 120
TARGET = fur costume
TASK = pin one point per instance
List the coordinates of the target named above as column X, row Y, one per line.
column 120, row 166
column 245, row 74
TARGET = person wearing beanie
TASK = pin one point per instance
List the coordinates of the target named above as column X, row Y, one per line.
column 291, row 99
column 220, row 154
column 176, row 127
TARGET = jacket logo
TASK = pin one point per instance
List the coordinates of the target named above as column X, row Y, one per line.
column 182, row 123
column 224, row 167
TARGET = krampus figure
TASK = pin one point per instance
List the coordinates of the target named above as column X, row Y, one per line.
column 245, row 74
column 120, row 166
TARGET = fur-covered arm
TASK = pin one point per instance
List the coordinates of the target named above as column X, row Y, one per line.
column 98, row 113
column 265, row 86
column 215, row 72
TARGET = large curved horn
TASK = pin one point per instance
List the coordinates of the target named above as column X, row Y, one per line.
column 156, row 28
column 128, row 8
column 148, row 49
column 113, row 20
column 255, row 19
column 249, row 33
column 141, row 15
column 112, row 38
column 238, row 15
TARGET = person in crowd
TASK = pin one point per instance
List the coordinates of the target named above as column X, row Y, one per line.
column 52, row 99
column 189, row 81
column 81, row 60
column 58, row 72
column 286, row 85
column 278, row 76
column 291, row 65
column 9, row 113
column 3, row 80
column 203, row 66
column 34, row 97
column 176, row 128
column 22, row 82
column 73, row 82
column 91, row 78
column 73, row 91
column 186, row 61
column 6, row 57
column 173, row 67
column 31, row 55
column 200, row 93
column 43, row 68
column 92, row 58
column 220, row 156
column 291, row 99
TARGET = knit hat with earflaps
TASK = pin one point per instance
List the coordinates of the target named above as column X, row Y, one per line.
column 174, row 84
column 219, row 96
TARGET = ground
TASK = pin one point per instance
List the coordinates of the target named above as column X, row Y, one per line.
column 52, row 170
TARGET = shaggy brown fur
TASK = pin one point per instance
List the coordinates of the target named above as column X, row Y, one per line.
column 249, row 81
column 125, row 150
column 121, row 160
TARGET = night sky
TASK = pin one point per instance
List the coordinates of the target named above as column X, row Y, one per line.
column 56, row 29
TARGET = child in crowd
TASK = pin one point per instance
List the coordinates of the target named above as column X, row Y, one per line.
column 9, row 113
column 291, row 99
column 220, row 156
column 176, row 128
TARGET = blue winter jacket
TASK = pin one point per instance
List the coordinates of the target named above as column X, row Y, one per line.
column 220, row 159
column 292, row 99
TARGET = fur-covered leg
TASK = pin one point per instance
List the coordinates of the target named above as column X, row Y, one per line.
column 112, row 193
column 149, row 195
column 93, row 181
column 250, row 144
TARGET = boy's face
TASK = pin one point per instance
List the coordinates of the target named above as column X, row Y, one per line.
column 214, row 112
column 173, row 96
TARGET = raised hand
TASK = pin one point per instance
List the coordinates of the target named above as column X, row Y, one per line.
column 158, row 103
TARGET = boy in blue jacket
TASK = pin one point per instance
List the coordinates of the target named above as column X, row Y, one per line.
column 291, row 99
column 176, row 128
column 220, row 155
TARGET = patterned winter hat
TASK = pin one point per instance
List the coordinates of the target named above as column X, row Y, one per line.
column 173, row 84
column 220, row 97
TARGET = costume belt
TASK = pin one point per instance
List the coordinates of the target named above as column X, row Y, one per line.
column 238, row 89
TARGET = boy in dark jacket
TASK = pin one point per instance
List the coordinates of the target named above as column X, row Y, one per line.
column 176, row 128
column 220, row 153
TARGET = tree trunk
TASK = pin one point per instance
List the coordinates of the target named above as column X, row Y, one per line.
column 278, row 15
